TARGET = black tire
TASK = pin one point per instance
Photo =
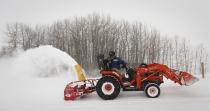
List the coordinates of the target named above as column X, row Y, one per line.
column 110, row 93
column 152, row 90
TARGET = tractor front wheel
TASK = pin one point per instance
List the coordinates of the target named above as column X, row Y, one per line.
column 152, row 90
column 108, row 88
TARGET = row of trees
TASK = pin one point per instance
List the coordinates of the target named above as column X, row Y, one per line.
column 86, row 37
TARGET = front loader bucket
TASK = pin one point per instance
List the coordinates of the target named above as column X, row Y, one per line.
column 187, row 79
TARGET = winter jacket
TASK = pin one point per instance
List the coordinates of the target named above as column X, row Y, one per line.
column 116, row 62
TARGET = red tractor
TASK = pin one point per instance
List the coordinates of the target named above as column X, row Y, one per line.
column 145, row 78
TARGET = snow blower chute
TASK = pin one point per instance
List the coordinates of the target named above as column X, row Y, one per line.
column 145, row 78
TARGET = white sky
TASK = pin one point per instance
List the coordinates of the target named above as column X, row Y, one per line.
column 185, row 18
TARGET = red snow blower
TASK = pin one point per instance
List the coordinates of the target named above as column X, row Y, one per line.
column 145, row 78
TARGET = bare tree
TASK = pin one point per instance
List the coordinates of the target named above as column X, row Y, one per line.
column 84, row 38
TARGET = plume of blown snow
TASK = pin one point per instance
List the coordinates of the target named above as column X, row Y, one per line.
column 43, row 61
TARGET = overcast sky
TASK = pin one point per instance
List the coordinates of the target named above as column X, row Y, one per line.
column 185, row 18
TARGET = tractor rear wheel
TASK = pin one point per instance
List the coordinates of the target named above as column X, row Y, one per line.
column 152, row 90
column 108, row 88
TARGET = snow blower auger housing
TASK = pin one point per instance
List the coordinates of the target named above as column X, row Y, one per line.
column 145, row 78
column 81, row 87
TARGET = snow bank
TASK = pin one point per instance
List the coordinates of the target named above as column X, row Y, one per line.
column 44, row 61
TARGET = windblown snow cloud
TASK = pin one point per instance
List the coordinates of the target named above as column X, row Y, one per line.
column 44, row 61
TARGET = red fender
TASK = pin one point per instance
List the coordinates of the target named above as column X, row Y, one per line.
column 114, row 74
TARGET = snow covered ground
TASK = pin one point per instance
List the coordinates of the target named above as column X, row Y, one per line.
column 21, row 90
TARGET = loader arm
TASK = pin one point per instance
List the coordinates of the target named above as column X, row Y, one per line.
column 182, row 78
column 169, row 74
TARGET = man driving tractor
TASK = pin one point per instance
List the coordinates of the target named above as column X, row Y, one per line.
column 119, row 65
column 115, row 63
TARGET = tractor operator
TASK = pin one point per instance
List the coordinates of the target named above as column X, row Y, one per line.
column 115, row 63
